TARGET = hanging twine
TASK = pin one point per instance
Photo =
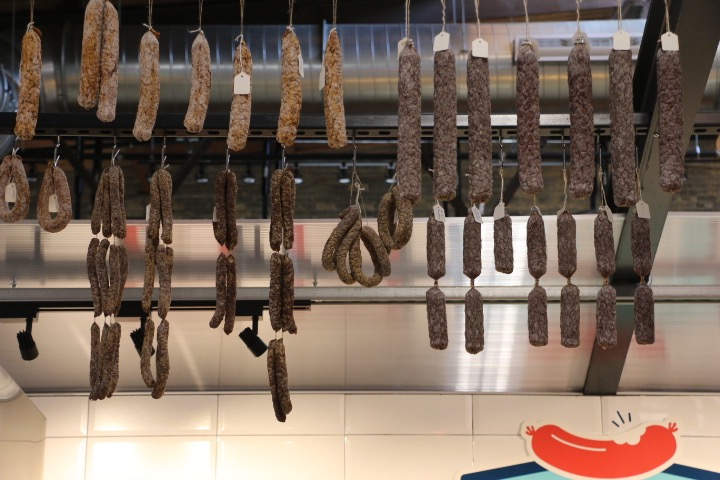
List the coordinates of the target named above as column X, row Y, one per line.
column 565, row 178
column 291, row 7
column 407, row 18
column 443, row 14
column 242, row 18
column 334, row 15
column 667, row 15
column 577, row 13
column 620, row 15
column 477, row 15
column 527, row 21
column 199, row 29
column 502, row 174
column 148, row 25
column 32, row 15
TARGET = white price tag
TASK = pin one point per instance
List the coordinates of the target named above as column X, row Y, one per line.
column 401, row 45
column 147, row 213
column 670, row 42
column 11, row 193
column 499, row 212
column 53, row 204
column 441, row 42
column 214, row 214
column 439, row 212
column 642, row 209
column 480, row 48
column 301, row 65
column 241, row 84
column 322, row 75
column 477, row 214
column 621, row 41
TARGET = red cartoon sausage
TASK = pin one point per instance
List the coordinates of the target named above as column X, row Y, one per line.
column 593, row 458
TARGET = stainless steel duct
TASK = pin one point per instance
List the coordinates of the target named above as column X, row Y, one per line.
column 370, row 61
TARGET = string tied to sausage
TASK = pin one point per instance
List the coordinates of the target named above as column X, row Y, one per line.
column 200, row 9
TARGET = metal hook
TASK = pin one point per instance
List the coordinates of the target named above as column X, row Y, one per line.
column 163, row 157
column 56, row 157
column 354, row 155
column 227, row 159
column 15, row 146
column 115, row 151
column 282, row 159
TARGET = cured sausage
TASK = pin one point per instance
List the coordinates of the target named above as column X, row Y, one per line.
column 287, row 193
column 230, row 303
column 348, row 217
column 437, row 318
column 54, row 182
column 13, row 171
column 276, row 210
column 670, row 121
column 409, row 124
column 567, row 247
column 582, row 126
column 570, row 316
column 94, row 359
column 333, row 92
column 102, row 275
column 641, row 246
column 109, row 55
column 164, row 182
column 537, row 317
column 528, row 120
column 201, row 84
column 281, row 376
column 276, row 291
column 622, row 130
column 288, row 295
column 221, row 271
column 474, row 322
column 90, row 71
column 92, row 276
column 231, row 188
column 291, row 89
column 536, row 245
column 241, row 103
column 220, row 225
column 162, row 359
column 444, row 129
column 472, row 247
column 606, row 317
column 343, row 252
column 274, row 392
column 149, row 277
column 146, row 354
column 149, row 86
column 604, row 244
column 118, row 218
column 435, row 248
column 644, row 315
column 503, row 245
column 479, row 129
column 29, row 96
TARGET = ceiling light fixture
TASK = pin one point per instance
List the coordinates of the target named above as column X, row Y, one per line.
column 28, row 349
column 248, row 177
column 250, row 338
column 344, row 179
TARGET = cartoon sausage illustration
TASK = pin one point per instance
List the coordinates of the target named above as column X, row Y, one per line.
column 611, row 457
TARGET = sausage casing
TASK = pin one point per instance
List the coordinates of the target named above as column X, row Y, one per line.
column 201, row 84
column 291, row 89
column 29, row 95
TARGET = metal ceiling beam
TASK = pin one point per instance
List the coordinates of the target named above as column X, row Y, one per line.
column 695, row 22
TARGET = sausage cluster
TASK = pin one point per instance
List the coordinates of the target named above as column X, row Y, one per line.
column 291, row 89
column 29, row 95
column 641, row 248
column 472, row 266
column 149, row 86
column 537, row 265
column 582, row 126
column 54, row 183
column 108, row 214
column 622, row 130
column 201, row 84
column 670, row 120
column 606, row 316
column 409, row 123
column 333, row 92
column 241, row 103
column 12, row 171
column 99, row 60
column 570, row 294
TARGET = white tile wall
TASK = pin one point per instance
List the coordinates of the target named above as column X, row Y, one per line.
column 65, row 458
column 504, row 414
column 253, row 415
column 420, row 457
column 336, row 436
column 277, row 457
column 408, row 414
column 695, row 415
column 150, row 458
column 142, row 415
column 66, row 416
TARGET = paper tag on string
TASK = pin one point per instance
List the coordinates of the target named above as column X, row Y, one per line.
column 241, row 84
column 301, row 65
column 621, row 41
column 11, row 193
column 401, row 45
column 53, row 204
column 670, row 42
column 439, row 212
column 322, row 75
column 642, row 209
column 499, row 212
column 147, row 213
column 214, row 214
column 441, row 42
column 480, row 48
column 477, row 214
